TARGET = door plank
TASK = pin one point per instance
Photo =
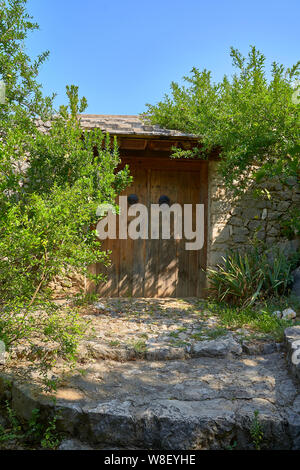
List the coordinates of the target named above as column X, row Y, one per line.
column 159, row 268
column 152, row 247
column 167, row 263
column 139, row 246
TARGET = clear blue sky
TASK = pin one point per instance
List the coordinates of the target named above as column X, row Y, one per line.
column 125, row 53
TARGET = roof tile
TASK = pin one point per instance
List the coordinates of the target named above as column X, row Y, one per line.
column 120, row 125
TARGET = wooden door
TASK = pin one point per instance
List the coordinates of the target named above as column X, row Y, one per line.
column 158, row 268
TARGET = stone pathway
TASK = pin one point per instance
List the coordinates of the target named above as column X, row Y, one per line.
column 161, row 329
column 161, row 374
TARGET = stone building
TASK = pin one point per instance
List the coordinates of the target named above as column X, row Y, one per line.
column 164, row 268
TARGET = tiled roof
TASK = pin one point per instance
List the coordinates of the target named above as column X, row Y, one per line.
column 134, row 125
column 121, row 125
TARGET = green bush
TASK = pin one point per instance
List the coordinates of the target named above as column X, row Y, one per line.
column 250, row 117
column 35, row 434
column 244, row 278
column 51, row 184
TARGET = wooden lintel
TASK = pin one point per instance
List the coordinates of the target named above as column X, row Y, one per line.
column 132, row 144
column 161, row 145
column 162, row 163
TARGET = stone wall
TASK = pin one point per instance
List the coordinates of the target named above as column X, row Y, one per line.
column 69, row 284
column 232, row 221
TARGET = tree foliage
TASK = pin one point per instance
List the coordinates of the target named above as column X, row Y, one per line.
column 252, row 117
column 19, row 72
column 49, row 204
column 51, row 184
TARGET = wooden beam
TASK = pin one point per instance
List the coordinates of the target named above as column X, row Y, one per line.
column 133, row 144
column 161, row 145
column 165, row 163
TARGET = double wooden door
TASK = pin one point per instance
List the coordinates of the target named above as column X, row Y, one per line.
column 158, row 268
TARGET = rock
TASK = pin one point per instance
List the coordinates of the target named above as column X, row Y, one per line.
column 99, row 306
column 293, row 420
column 253, row 349
column 3, row 357
column 99, row 350
column 82, row 351
column 296, row 286
column 282, row 206
column 3, row 422
column 269, row 348
column 241, row 231
column 280, row 347
column 288, row 314
column 73, row 444
column 167, row 353
column 182, row 336
column 242, row 331
column 220, row 347
column 211, row 322
column 289, row 247
column 255, row 225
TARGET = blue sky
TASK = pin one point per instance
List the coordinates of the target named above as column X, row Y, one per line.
column 123, row 54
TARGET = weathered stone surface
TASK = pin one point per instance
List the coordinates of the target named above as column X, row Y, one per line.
column 192, row 392
column 256, row 348
column 73, row 444
column 296, row 284
column 255, row 225
column 282, row 206
column 270, row 348
column 135, row 329
column 160, row 353
column 201, row 403
column 220, row 347
column 289, row 246
column 99, row 306
column 3, row 421
column 261, row 216
column 288, row 314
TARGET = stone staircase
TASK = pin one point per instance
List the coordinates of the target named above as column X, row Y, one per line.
column 204, row 402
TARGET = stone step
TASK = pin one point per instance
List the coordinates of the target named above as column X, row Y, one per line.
column 200, row 403
column 292, row 342
column 224, row 346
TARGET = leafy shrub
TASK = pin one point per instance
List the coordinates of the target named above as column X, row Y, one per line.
column 246, row 277
column 256, row 431
column 47, row 332
column 37, row 432
column 51, row 184
column 230, row 115
column 48, row 208
column 291, row 226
